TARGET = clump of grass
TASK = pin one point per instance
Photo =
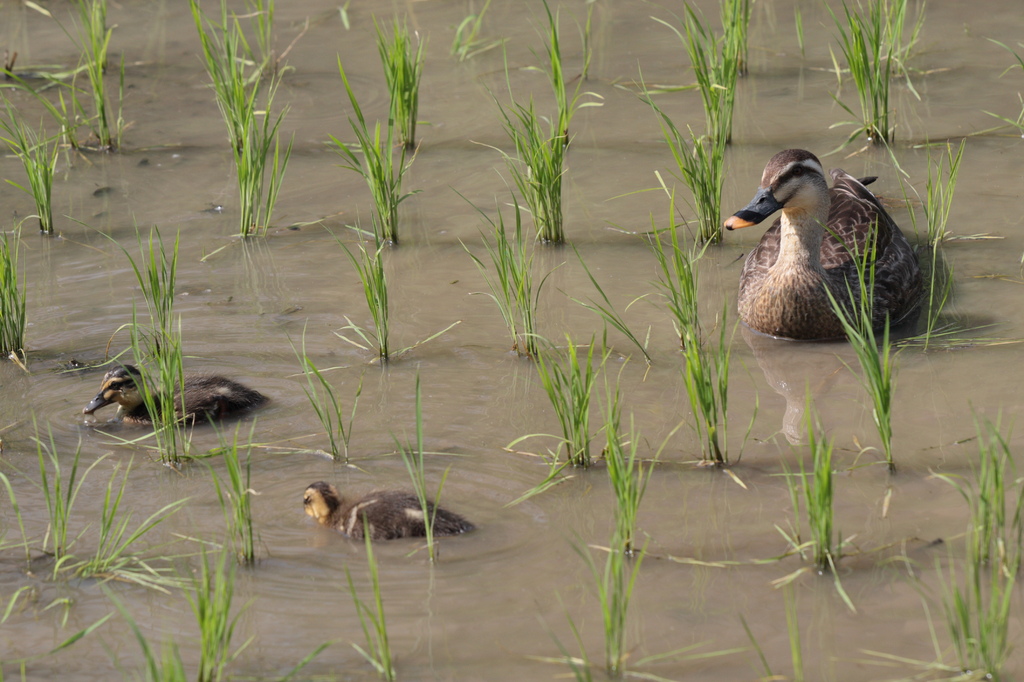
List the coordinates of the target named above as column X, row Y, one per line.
column 569, row 384
column 537, row 167
column 262, row 13
column 467, row 42
column 512, row 286
column 706, row 376
column 160, row 340
column 626, row 471
column 1017, row 123
column 60, row 492
column 716, row 62
column 94, row 41
column 413, row 457
column 541, row 143
column 327, row 405
column 168, row 666
column 978, row 607
column 235, row 499
column 818, row 494
column 371, row 618
column 866, row 42
column 938, row 199
column 615, row 584
column 377, row 166
column 38, row 156
column 876, row 356
column 701, row 163
column 113, row 558
column 369, row 266
column 252, row 132
column 211, row 596
column 677, row 275
column 403, row 70
column 606, row 311
column 12, row 297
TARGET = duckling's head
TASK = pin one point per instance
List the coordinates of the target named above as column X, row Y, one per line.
column 792, row 180
column 119, row 386
column 321, row 500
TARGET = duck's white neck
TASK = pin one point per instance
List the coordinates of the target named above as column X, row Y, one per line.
column 802, row 233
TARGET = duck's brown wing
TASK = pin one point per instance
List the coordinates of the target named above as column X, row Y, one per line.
column 856, row 213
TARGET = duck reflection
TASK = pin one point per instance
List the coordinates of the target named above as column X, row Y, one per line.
column 796, row 371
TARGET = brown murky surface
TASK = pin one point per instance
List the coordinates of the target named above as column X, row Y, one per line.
column 498, row 598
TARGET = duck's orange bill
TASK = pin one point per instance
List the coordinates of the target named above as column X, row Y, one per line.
column 736, row 223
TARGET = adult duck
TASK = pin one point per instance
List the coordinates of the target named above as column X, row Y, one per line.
column 812, row 248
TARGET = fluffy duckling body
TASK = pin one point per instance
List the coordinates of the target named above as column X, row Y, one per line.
column 207, row 397
column 811, row 248
column 384, row 514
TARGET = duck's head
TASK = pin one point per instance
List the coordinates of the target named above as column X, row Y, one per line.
column 792, row 180
column 119, row 386
column 320, row 500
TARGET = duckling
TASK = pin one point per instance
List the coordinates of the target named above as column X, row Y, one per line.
column 784, row 279
column 207, row 397
column 390, row 514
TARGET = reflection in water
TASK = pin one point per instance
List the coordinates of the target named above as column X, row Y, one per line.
column 795, row 369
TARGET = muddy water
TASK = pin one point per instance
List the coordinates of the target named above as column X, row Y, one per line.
column 498, row 599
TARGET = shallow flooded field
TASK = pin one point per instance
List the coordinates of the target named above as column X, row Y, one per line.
column 498, row 602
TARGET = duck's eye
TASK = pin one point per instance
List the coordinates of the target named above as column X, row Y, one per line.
column 798, row 171
column 306, row 500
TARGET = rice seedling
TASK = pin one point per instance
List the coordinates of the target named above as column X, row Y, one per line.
column 467, row 42
column 60, row 491
column 706, row 376
column 938, row 199
column 818, row 494
column 700, row 161
column 607, row 312
column 735, row 25
column 38, row 156
column 160, row 340
column 678, row 276
column 94, row 41
column 371, row 618
column 210, row 597
column 262, row 14
column 537, row 167
column 370, row 268
column 12, row 297
column 168, row 666
column 403, row 70
column 512, row 285
column 113, row 557
column 569, row 385
column 1017, row 123
column 865, row 42
column 978, row 607
column 327, row 405
column 541, row 143
column 615, row 583
column 253, row 131
column 875, row 356
column 4, row 544
column 626, row 472
column 258, row 192
column 377, row 166
column 716, row 62
column 413, row 457
column 235, row 499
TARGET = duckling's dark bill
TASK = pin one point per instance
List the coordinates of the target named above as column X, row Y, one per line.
column 99, row 401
